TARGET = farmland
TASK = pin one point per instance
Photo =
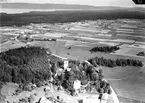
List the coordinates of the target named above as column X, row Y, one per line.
column 74, row 40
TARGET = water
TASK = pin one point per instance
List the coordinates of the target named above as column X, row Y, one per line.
column 15, row 11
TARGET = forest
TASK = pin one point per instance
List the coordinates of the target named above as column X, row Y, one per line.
column 25, row 64
column 67, row 16
column 106, row 49
column 113, row 63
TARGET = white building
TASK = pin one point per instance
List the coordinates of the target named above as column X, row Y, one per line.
column 44, row 100
column 66, row 62
column 77, row 84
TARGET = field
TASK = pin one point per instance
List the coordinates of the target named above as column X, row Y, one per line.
column 127, row 81
column 4, row 38
column 128, row 50
column 11, row 45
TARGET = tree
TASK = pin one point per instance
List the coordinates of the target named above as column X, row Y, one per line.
column 53, row 68
column 94, row 76
column 97, row 85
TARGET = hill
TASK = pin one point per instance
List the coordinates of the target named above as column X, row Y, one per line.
column 63, row 6
column 65, row 13
column 25, row 64
column 67, row 16
column 51, row 6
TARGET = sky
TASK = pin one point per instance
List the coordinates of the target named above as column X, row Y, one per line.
column 122, row 3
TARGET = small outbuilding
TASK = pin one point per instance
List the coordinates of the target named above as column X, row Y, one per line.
column 44, row 100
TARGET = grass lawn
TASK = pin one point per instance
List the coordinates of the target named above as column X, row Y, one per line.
column 127, row 81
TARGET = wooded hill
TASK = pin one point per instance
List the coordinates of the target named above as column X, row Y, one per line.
column 25, row 64
column 67, row 16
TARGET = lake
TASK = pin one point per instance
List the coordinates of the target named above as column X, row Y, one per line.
column 14, row 11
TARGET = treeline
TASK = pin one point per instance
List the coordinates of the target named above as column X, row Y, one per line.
column 113, row 63
column 107, row 49
column 24, row 65
column 67, row 16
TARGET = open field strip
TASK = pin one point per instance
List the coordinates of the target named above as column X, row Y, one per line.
column 123, row 40
column 140, row 30
column 82, row 45
column 55, row 34
column 131, row 32
column 128, row 30
column 133, row 46
column 122, row 50
column 97, row 39
column 138, row 46
column 131, row 21
column 8, row 29
column 36, row 35
column 130, row 35
column 90, row 29
column 134, row 51
column 84, row 29
column 129, row 26
column 80, row 28
column 10, row 34
column 109, row 43
column 104, row 31
column 94, row 35
column 137, row 42
column 129, row 50
column 104, row 40
column 109, row 35
column 86, row 34
column 121, row 31
column 119, row 54
column 72, row 42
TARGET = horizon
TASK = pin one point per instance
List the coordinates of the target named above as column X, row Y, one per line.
column 113, row 3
